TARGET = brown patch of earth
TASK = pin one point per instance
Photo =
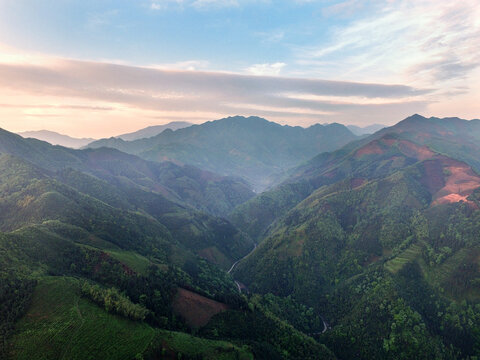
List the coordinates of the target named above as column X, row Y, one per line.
column 408, row 148
column 434, row 177
column 372, row 259
column 197, row 310
column 356, row 182
column 460, row 183
column 389, row 141
column 162, row 190
column 105, row 257
column 415, row 151
column 369, row 149
column 423, row 136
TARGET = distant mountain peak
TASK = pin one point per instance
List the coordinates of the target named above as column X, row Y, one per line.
column 365, row 130
column 258, row 150
column 153, row 130
column 55, row 138
column 414, row 118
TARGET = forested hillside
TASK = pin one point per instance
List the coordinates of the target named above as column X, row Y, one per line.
column 368, row 252
column 191, row 186
column 381, row 238
column 105, row 254
column 252, row 148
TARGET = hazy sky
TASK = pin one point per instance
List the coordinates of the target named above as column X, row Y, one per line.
column 104, row 67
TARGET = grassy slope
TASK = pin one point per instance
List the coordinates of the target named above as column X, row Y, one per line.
column 410, row 254
column 60, row 324
column 133, row 260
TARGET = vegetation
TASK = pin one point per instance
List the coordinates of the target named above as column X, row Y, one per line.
column 251, row 148
column 368, row 252
column 62, row 324
column 265, row 332
column 380, row 259
column 114, row 302
column 15, row 294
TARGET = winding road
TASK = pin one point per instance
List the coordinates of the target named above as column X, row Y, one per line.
column 235, row 264
column 325, row 328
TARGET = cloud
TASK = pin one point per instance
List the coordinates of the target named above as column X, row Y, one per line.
column 165, row 4
column 190, row 65
column 420, row 42
column 266, row 69
column 79, row 89
column 344, row 8
column 197, row 4
column 43, row 106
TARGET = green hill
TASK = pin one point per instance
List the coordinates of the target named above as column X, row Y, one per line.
column 252, row 148
column 63, row 324
column 193, row 187
column 96, row 262
column 368, row 252
column 377, row 155
column 380, row 250
column 376, row 159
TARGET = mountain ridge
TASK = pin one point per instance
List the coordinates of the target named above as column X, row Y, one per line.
column 254, row 148
column 390, row 226
column 55, row 138
column 153, row 130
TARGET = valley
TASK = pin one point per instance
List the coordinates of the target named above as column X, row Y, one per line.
column 367, row 248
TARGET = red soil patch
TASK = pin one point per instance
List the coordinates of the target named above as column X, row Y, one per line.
column 356, row 182
column 162, row 190
column 369, row 149
column 242, row 287
column 407, row 148
column 37, row 316
column 208, row 176
column 415, row 151
column 434, row 177
column 460, row 182
column 389, row 141
column 422, row 136
column 330, row 174
column 197, row 310
column 208, row 254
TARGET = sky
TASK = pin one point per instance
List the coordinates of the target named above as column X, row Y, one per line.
column 98, row 68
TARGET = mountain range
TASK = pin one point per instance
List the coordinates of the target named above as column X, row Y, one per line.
column 361, row 247
column 252, row 148
column 55, row 138
column 365, row 130
column 151, row 131
column 381, row 237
